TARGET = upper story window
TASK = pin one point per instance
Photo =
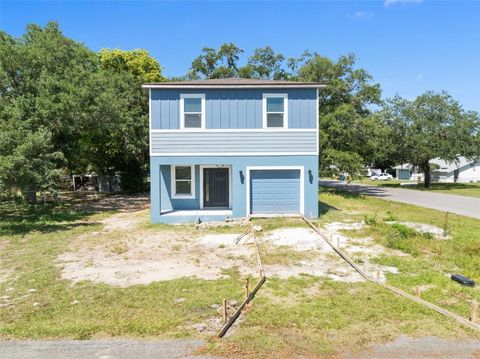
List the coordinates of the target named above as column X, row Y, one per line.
column 275, row 110
column 192, row 111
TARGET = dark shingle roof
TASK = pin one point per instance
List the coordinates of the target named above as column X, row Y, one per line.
column 233, row 83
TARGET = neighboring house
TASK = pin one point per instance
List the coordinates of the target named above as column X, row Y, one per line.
column 233, row 148
column 462, row 170
column 404, row 172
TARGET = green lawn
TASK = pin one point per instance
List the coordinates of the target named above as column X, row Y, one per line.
column 300, row 316
column 337, row 315
column 462, row 189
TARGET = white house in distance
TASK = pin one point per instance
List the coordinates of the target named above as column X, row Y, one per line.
column 462, row 171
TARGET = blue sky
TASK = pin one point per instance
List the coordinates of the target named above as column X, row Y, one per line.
column 409, row 46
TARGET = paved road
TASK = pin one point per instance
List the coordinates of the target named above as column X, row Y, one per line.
column 99, row 349
column 421, row 348
column 401, row 347
column 466, row 206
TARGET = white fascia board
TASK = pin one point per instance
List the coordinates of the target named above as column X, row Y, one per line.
column 230, row 130
column 222, row 154
column 200, row 87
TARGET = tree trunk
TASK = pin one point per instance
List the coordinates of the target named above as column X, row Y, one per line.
column 426, row 171
column 30, row 195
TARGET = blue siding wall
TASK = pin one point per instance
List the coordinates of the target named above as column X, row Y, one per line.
column 232, row 108
column 160, row 181
column 223, row 142
column 169, row 203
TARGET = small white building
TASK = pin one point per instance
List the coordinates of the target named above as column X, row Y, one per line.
column 370, row 171
column 405, row 172
column 462, row 170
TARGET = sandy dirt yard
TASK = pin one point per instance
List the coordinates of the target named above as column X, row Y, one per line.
column 127, row 251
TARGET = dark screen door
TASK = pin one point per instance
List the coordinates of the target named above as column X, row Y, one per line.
column 215, row 187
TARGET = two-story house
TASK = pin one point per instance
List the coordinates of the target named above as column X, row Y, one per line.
column 233, row 148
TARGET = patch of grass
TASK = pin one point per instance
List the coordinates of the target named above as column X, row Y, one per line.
column 400, row 237
column 370, row 220
column 102, row 310
column 119, row 248
column 20, row 219
column 349, row 317
column 430, row 261
column 461, row 189
column 304, row 315
column 283, row 255
column 335, row 318
column 270, row 224
column 390, row 217
column 85, row 310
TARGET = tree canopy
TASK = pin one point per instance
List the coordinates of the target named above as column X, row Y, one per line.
column 433, row 125
column 65, row 109
column 135, row 62
column 348, row 128
column 62, row 106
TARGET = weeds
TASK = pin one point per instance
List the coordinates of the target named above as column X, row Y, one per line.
column 446, row 226
column 390, row 217
column 370, row 220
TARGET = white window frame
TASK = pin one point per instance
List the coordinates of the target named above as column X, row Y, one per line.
column 173, row 183
column 285, row 110
column 182, row 110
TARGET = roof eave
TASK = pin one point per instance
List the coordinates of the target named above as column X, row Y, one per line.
column 165, row 86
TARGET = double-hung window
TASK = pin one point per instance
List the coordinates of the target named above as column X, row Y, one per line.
column 183, row 181
column 275, row 110
column 192, row 111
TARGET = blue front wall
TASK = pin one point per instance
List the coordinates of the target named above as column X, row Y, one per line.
column 160, row 181
column 232, row 108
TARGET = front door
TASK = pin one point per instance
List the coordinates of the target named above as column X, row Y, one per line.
column 215, row 187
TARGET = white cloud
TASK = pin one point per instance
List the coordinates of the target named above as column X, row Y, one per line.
column 363, row 15
column 388, row 3
column 419, row 77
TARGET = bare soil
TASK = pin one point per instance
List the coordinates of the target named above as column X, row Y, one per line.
column 125, row 252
